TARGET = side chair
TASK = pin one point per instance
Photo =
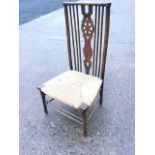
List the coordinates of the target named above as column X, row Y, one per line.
column 87, row 29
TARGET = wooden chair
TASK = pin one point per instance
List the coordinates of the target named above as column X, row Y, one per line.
column 87, row 27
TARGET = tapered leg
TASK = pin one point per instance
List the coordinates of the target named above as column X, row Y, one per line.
column 84, row 123
column 44, row 101
column 101, row 95
column 83, row 108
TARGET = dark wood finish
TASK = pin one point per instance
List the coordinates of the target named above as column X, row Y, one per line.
column 93, row 69
column 76, row 39
column 94, row 30
column 43, row 101
column 88, row 30
column 87, row 58
column 106, row 36
column 84, row 123
column 97, row 43
column 83, row 108
column 73, row 38
column 101, row 94
column 68, row 38
column 87, row 3
column 79, row 40
column 101, row 36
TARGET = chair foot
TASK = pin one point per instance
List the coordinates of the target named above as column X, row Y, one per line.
column 44, row 102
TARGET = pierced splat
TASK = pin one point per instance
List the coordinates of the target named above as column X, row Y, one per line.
column 90, row 57
column 88, row 30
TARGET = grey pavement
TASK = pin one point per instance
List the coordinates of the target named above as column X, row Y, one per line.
column 31, row 9
column 43, row 55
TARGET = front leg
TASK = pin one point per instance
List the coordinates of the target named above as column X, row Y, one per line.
column 83, row 109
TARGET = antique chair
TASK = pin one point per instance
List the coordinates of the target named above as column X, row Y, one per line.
column 87, row 27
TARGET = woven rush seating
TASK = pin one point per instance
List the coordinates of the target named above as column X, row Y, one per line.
column 73, row 88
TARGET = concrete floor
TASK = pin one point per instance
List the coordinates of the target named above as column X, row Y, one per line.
column 43, row 55
column 32, row 9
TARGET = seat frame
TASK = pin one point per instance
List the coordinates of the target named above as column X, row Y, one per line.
column 71, row 10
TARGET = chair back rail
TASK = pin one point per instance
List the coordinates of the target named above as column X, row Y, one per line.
column 87, row 28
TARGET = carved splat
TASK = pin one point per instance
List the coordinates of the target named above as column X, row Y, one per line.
column 88, row 30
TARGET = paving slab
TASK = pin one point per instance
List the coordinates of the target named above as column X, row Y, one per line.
column 43, row 55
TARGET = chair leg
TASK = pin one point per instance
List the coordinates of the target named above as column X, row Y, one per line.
column 83, row 108
column 101, row 95
column 44, row 101
column 84, row 123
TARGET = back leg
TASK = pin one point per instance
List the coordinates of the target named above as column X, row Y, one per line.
column 44, row 101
